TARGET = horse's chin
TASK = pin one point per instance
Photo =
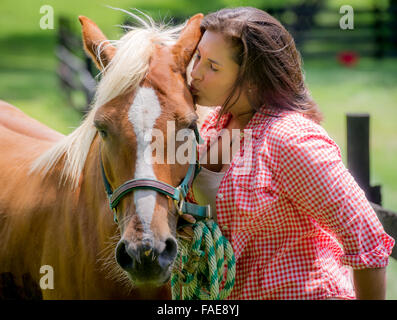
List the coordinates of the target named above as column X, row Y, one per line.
column 153, row 282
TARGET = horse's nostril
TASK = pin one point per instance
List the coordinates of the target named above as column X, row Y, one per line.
column 145, row 256
column 122, row 257
column 169, row 253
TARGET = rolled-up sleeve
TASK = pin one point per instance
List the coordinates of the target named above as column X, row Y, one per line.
column 316, row 181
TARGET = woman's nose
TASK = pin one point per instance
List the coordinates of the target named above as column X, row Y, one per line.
column 195, row 73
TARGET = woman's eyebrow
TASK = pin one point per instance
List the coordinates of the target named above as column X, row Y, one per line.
column 211, row 60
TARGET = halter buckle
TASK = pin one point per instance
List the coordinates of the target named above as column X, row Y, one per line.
column 209, row 212
column 179, row 203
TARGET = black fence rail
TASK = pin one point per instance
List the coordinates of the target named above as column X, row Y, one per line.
column 75, row 72
column 317, row 32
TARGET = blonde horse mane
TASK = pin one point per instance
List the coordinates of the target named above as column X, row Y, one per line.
column 126, row 70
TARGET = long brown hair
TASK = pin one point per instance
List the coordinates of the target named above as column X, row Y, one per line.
column 270, row 64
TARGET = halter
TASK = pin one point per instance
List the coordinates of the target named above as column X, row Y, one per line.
column 177, row 194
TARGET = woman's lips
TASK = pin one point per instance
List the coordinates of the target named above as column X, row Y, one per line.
column 193, row 90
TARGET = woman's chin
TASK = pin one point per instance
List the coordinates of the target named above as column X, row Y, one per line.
column 204, row 102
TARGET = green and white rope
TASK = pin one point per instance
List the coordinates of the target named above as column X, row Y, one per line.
column 199, row 268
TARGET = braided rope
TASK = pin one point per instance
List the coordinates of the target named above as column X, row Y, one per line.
column 199, row 267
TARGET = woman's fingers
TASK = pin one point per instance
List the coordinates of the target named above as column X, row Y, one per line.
column 188, row 230
column 184, row 237
column 189, row 218
column 186, row 233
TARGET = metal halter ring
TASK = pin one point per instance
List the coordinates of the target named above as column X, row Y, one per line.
column 179, row 203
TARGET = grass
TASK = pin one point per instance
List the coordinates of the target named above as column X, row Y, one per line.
column 28, row 80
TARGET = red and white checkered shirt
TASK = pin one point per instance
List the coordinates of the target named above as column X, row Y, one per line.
column 295, row 217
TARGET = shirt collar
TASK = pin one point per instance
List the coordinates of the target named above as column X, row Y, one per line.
column 259, row 120
column 256, row 124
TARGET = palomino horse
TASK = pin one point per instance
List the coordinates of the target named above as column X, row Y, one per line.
column 54, row 211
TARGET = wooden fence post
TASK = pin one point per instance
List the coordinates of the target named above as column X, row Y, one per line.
column 358, row 156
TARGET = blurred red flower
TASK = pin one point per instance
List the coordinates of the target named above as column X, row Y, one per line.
column 348, row 58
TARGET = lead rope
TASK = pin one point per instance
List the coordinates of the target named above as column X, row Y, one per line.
column 199, row 267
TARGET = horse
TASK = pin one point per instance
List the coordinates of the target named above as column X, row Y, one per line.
column 54, row 211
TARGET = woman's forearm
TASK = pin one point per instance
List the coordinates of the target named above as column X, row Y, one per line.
column 370, row 284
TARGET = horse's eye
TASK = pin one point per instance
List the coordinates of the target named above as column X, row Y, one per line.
column 103, row 133
column 193, row 125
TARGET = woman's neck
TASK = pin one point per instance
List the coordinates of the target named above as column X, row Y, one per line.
column 242, row 115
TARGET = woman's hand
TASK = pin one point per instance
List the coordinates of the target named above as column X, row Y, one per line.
column 370, row 284
column 186, row 231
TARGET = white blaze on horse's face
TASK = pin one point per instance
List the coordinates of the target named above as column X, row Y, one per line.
column 143, row 114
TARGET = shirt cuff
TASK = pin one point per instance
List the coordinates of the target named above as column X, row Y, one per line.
column 376, row 258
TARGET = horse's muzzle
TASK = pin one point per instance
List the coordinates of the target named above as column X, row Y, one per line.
column 144, row 263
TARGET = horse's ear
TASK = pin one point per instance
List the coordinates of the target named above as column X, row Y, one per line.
column 189, row 38
column 96, row 44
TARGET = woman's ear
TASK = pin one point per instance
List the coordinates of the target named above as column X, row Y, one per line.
column 186, row 45
column 96, row 44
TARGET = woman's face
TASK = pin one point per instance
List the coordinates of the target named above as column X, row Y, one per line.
column 214, row 72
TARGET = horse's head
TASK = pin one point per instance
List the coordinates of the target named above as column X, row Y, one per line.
column 143, row 91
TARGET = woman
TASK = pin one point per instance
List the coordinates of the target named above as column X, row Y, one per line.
column 295, row 217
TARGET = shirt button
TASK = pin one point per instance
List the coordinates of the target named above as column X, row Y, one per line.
column 220, row 195
column 225, row 227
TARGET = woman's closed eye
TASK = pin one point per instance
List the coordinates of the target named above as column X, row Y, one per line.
column 198, row 57
column 213, row 68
